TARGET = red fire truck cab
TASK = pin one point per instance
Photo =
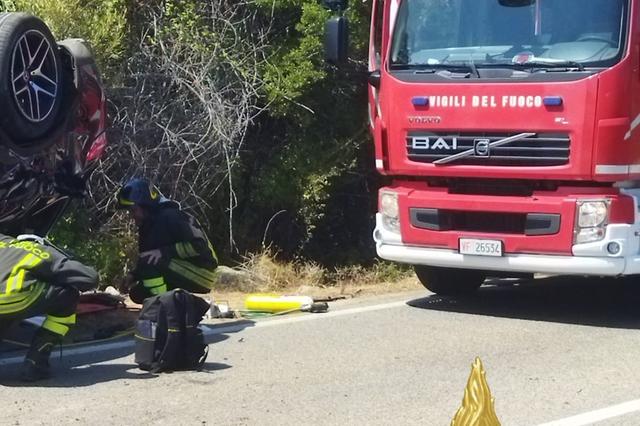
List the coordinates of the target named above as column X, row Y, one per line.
column 509, row 129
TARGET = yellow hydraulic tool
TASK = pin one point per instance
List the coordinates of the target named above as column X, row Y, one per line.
column 273, row 303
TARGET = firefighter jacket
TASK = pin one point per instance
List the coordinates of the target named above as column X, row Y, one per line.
column 177, row 235
column 27, row 268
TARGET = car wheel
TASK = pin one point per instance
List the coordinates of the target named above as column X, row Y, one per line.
column 449, row 281
column 31, row 78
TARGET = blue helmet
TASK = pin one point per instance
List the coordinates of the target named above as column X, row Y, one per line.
column 139, row 192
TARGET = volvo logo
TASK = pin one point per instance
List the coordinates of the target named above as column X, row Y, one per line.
column 482, row 147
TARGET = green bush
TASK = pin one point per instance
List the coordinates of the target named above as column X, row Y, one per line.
column 110, row 251
column 102, row 22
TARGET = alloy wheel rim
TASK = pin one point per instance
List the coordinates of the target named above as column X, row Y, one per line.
column 34, row 76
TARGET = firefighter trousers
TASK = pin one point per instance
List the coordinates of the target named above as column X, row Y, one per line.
column 177, row 273
column 58, row 303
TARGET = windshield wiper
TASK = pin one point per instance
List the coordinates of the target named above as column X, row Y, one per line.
column 472, row 68
column 431, row 67
column 468, row 68
column 541, row 63
column 534, row 64
column 547, row 64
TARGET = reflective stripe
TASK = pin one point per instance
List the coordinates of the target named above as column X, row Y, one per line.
column 6, row 299
column 143, row 338
column 55, row 327
column 44, row 347
column 155, row 285
column 191, row 252
column 71, row 319
column 59, row 325
column 158, row 290
column 32, row 296
column 204, row 273
column 153, row 282
column 213, row 252
column 200, row 276
column 186, row 250
column 16, row 279
column 180, row 250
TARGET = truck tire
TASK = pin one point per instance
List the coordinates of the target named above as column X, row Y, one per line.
column 31, row 78
column 449, row 281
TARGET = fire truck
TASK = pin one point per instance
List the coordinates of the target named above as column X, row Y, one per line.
column 509, row 132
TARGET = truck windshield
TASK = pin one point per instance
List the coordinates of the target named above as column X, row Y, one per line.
column 585, row 33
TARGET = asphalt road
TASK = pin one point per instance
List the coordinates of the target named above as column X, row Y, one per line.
column 552, row 350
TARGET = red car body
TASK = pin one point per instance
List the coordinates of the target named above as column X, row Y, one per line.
column 38, row 178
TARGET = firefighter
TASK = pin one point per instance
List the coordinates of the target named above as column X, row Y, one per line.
column 174, row 252
column 38, row 279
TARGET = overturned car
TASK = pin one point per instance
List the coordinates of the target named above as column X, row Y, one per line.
column 52, row 123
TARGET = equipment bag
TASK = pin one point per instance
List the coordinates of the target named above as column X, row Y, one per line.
column 167, row 333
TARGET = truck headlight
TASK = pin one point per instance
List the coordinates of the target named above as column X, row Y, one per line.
column 592, row 213
column 390, row 211
column 591, row 220
column 389, row 204
column 589, row 235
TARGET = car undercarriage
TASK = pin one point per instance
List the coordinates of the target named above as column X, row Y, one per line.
column 52, row 126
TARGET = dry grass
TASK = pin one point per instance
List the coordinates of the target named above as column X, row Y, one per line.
column 263, row 273
column 273, row 275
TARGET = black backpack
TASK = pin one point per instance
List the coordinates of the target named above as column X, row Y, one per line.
column 167, row 333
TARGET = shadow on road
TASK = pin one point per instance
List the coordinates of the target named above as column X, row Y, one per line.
column 101, row 373
column 65, row 377
column 91, row 367
column 602, row 302
column 76, row 370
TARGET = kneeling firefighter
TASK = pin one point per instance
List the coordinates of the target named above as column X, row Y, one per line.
column 38, row 279
column 174, row 250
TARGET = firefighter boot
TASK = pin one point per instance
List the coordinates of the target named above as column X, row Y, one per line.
column 36, row 363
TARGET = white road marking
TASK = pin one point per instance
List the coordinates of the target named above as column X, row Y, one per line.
column 584, row 419
column 593, row 417
column 222, row 329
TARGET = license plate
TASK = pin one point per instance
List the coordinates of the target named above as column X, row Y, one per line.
column 480, row 247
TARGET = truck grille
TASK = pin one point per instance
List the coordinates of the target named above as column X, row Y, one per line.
column 493, row 222
column 542, row 149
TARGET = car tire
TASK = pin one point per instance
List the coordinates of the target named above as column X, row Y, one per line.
column 449, row 281
column 31, row 77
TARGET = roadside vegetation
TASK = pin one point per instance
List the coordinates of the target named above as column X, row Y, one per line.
column 229, row 107
column 266, row 273
column 263, row 272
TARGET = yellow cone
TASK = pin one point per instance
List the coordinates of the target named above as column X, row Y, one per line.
column 477, row 405
column 274, row 303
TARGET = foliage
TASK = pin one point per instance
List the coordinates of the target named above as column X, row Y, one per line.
column 109, row 251
column 267, row 273
column 311, row 156
column 187, row 99
column 98, row 21
column 231, row 109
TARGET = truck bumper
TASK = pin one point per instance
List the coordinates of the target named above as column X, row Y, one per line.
column 389, row 246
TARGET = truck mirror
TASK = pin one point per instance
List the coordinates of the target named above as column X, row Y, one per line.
column 374, row 78
column 336, row 5
column 336, row 40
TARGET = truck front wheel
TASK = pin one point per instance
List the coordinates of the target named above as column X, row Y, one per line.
column 449, row 281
